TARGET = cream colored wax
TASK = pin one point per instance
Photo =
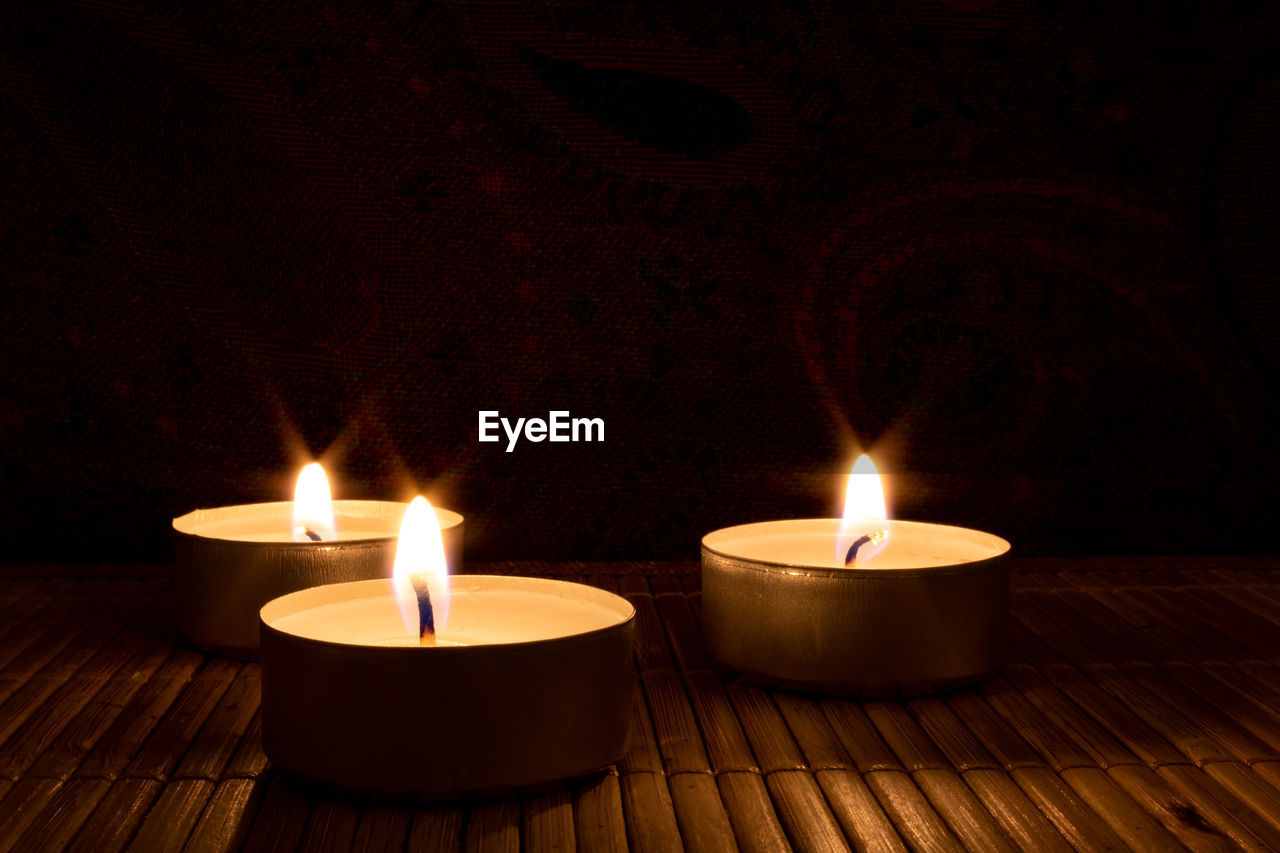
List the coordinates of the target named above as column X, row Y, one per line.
column 273, row 522
column 810, row 542
column 483, row 610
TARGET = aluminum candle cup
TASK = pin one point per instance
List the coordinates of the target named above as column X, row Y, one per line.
column 232, row 560
column 929, row 613
column 530, row 682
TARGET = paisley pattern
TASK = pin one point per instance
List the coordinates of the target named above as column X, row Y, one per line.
column 670, row 114
column 1022, row 252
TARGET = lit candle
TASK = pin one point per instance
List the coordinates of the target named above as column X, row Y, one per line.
column 526, row 680
column 859, row 605
column 231, row 560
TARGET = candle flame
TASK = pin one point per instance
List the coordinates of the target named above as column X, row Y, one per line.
column 863, row 529
column 312, row 506
column 420, row 565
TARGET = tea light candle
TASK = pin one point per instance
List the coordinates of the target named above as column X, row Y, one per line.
column 528, row 681
column 229, row 561
column 856, row 606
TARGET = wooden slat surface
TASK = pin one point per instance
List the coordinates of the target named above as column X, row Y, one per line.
column 1139, row 709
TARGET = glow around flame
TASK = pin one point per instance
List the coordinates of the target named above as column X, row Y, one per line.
column 421, row 552
column 312, row 506
column 864, row 513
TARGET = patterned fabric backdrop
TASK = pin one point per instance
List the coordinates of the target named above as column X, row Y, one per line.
column 1025, row 253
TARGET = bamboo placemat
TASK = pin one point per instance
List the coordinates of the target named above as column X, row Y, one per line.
column 1140, row 708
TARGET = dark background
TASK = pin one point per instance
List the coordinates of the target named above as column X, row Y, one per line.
column 1023, row 252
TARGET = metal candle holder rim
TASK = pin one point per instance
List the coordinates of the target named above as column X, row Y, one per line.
column 886, row 574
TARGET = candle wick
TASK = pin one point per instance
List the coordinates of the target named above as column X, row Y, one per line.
column 300, row 530
column 870, row 538
column 851, row 557
column 426, row 613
